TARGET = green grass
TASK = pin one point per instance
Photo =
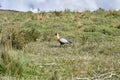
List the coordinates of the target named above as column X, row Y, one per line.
column 95, row 49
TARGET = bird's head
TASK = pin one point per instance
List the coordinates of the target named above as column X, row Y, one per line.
column 57, row 35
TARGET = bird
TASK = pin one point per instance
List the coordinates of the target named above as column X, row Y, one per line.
column 62, row 41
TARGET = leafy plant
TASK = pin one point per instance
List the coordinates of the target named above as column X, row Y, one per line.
column 20, row 37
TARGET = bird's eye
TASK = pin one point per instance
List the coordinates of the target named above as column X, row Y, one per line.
column 55, row 33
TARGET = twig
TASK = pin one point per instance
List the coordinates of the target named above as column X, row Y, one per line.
column 102, row 75
column 83, row 79
column 99, row 77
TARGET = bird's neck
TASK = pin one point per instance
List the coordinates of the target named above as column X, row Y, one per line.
column 58, row 37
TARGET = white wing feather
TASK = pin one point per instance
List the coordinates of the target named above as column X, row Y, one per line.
column 63, row 40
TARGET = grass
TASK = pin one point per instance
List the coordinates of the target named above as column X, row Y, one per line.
column 95, row 49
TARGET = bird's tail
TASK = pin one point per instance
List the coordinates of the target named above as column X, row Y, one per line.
column 70, row 42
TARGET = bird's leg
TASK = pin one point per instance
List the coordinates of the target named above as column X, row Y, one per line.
column 61, row 45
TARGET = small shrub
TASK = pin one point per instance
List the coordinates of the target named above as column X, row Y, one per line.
column 90, row 29
column 58, row 14
column 32, row 24
column 103, row 29
column 13, row 67
column 5, row 19
column 117, row 26
column 99, row 12
column 47, row 35
column 20, row 37
column 79, row 25
column 113, row 13
column 109, row 31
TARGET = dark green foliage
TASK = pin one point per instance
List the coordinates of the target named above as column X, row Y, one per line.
column 104, row 30
column 59, row 14
column 90, row 29
column 20, row 37
column 99, row 12
column 47, row 35
column 109, row 31
column 2, row 68
column 33, row 23
column 13, row 67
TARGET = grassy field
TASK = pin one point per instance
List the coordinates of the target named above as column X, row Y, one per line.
column 30, row 51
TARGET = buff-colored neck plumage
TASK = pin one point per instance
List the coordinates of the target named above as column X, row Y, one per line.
column 57, row 35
